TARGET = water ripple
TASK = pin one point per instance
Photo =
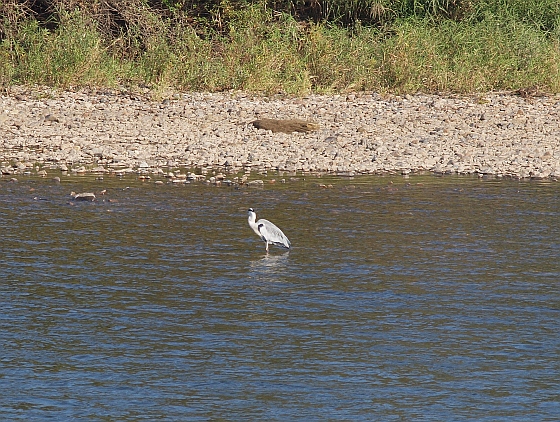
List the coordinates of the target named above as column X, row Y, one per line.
column 436, row 299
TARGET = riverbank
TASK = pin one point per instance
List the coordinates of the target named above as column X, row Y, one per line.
column 499, row 134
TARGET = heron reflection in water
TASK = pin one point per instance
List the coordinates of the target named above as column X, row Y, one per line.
column 267, row 231
column 267, row 269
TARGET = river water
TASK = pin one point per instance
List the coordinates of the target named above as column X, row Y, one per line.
column 429, row 298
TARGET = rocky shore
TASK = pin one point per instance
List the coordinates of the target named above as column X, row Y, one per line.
column 499, row 134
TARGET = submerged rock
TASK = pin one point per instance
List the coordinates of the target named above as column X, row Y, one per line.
column 85, row 196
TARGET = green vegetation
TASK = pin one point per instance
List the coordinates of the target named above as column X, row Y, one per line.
column 296, row 46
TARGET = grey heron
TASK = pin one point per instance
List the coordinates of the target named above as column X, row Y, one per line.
column 267, row 231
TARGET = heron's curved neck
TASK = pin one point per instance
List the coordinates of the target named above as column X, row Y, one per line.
column 252, row 223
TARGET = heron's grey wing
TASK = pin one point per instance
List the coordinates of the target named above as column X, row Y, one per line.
column 272, row 234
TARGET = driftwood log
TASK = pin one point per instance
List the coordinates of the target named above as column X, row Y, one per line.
column 286, row 126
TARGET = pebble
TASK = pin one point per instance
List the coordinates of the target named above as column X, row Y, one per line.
column 496, row 134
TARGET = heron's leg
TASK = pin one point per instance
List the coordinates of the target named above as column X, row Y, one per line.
column 266, row 247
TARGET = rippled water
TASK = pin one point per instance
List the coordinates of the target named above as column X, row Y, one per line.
column 427, row 298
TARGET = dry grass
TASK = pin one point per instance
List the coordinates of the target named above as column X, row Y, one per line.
column 260, row 50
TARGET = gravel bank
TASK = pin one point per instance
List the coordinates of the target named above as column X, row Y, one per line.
column 492, row 134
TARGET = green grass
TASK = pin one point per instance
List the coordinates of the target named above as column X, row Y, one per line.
column 472, row 57
column 261, row 50
column 71, row 55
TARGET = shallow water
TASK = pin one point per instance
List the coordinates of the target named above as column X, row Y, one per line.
column 427, row 298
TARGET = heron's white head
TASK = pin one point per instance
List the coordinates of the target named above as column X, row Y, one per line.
column 251, row 214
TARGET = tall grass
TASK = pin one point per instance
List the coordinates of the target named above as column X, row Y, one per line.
column 487, row 55
column 73, row 54
column 416, row 45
